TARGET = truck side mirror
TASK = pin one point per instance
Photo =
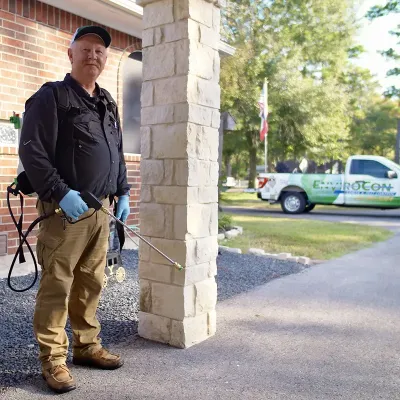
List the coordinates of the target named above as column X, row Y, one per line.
column 391, row 174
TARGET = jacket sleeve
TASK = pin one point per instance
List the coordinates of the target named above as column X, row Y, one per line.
column 37, row 147
column 122, row 184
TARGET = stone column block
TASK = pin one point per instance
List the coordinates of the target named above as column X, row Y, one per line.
column 179, row 170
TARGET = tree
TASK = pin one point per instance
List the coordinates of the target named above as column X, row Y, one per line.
column 301, row 47
column 375, row 133
column 392, row 6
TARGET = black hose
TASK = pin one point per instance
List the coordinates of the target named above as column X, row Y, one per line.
column 20, row 250
column 25, row 188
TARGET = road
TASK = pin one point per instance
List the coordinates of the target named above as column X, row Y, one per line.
column 330, row 332
column 389, row 219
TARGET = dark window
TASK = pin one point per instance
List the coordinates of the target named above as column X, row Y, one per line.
column 132, row 80
column 368, row 167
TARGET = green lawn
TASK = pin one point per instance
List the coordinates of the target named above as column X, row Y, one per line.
column 241, row 199
column 250, row 200
column 315, row 239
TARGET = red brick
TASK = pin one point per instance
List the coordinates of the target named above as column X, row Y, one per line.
column 7, row 32
column 7, row 228
column 74, row 23
column 56, row 39
column 26, row 22
column 4, row 5
column 48, row 60
column 12, row 6
column 8, row 162
column 27, row 54
column 27, row 219
column 5, row 171
column 25, row 38
column 63, row 20
column 41, row 12
column 48, row 75
column 13, row 26
column 11, row 58
column 10, row 75
column 62, row 48
column 36, row 32
column 25, row 8
column 34, row 48
column 5, row 179
column 19, row 4
column 13, row 107
column 27, row 70
column 57, row 17
column 46, row 44
column 51, row 16
column 66, row 35
column 7, row 15
column 27, row 86
column 30, row 202
column 8, row 49
column 12, row 42
column 34, row 64
column 33, row 79
column 29, row 93
column 32, row 10
column 68, row 22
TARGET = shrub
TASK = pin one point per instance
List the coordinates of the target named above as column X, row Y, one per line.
column 224, row 222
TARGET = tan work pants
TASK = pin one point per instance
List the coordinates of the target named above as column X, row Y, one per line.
column 73, row 260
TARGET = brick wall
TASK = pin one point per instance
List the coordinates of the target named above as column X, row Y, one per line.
column 34, row 38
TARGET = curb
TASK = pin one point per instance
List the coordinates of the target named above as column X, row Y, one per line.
column 232, row 233
column 281, row 256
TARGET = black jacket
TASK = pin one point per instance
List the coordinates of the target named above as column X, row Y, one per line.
column 82, row 150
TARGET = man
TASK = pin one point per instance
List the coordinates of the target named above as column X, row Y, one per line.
column 63, row 155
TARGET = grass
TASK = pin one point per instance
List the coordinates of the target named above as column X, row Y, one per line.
column 241, row 199
column 318, row 240
column 250, row 200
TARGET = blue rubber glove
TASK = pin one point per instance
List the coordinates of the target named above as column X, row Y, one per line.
column 123, row 209
column 73, row 205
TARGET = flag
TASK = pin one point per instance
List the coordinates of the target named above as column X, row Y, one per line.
column 263, row 105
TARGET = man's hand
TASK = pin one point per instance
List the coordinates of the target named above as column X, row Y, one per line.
column 73, row 205
column 123, row 210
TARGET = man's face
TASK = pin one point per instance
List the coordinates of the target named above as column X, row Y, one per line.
column 88, row 56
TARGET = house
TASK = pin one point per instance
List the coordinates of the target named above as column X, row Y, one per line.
column 35, row 36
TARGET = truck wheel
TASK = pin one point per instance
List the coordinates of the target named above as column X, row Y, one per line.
column 293, row 202
column 309, row 208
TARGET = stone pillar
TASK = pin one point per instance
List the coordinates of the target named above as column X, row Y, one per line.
column 179, row 170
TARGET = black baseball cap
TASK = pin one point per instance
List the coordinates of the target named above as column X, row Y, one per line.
column 92, row 30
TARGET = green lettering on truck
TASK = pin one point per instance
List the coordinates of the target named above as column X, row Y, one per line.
column 365, row 187
column 316, row 184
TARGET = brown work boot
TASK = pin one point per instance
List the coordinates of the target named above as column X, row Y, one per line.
column 101, row 359
column 59, row 379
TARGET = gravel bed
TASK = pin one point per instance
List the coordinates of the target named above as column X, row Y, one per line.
column 117, row 311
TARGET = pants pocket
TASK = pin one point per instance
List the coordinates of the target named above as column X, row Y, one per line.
column 46, row 246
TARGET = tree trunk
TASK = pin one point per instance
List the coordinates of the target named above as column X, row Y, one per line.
column 253, row 166
column 228, row 166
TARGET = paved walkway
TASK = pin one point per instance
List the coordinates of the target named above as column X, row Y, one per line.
column 330, row 332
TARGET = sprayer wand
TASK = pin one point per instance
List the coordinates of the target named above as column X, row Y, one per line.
column 93, row 202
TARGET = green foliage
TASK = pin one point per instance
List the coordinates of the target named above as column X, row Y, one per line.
column 321, row 105
column 224, row 221
column 375, row 131
column 392, row 6
column 301, row 47
column 380, row 11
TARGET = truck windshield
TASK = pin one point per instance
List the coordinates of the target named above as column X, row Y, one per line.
column 394, row 166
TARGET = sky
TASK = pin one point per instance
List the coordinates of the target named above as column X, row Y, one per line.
column 374, row 36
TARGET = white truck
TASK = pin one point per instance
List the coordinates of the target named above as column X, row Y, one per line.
column 368, row 181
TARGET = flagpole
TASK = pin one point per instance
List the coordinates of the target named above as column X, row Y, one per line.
column 266, row 153
column 266, row 116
